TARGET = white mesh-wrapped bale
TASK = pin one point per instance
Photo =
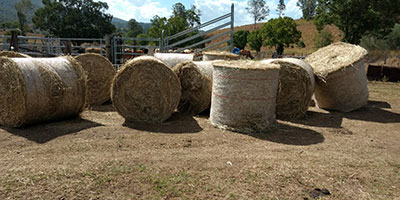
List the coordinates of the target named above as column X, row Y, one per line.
column 244, row 96
column 219, row 55
column 34, row 90
column 13, row 54
column 172, row 59
column 341, row 78
column 145, row 90
column 296, row 87
column 100, row 73
column 196, row 83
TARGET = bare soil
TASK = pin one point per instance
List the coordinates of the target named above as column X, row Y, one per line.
column 97, row 156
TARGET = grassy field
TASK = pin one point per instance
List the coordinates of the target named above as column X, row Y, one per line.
column 97, row 156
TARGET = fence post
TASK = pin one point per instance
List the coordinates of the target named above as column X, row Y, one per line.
column 108, row 47
column 14, row 41
column 232, row 26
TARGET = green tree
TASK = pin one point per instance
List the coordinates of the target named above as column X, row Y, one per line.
column 192, row 16
column 280, row 33
column 22, row 7
column 255, row 39
column 258, row 10
column 74, row 18
column 307, row 8
column 356, row 18
column 281, row 7
column 323, row 38
column 134, row 28
column 240, row 39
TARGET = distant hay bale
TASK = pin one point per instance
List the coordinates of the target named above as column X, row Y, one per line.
column 244, row 96
column 342, row 81
column 172, row 59
column 196, row 83
column 145, row 90
column 296, row 87
column 36, row 90
column 219, row 55
column 13, row 54
column 100, row 73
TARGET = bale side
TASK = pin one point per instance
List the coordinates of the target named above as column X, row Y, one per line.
column 100, row 73
column 145, row 90
column 196, row 87
column 13, row 54
column 50, row 88
column 244, row 95
column 219, row 55
column 172, row 59
column 296, row 87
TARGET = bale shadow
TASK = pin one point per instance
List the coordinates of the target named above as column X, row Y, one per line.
column 318, row 119
column 373, row 112
column 291, row 135
column 43, row 133
column 103, row 108
column 177, row 124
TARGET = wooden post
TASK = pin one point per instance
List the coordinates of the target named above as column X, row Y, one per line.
column 108, row 47
column 14, row 41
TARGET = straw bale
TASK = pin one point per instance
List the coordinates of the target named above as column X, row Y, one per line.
column 196, row 84
column 36, row 90
column 244, row 96
column 341, row 77
column 219, row 55
column 100, row 73
column 145, row 90
column 13, row 54
column 172, row 59
column 296, row 87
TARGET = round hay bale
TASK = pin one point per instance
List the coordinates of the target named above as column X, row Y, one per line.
column 296, row 87
column 196, row 84
column 244, row 96
column 145, row 90
column 172, row 59
column 341, row 77
column 100, row 73
column 219, row 55
column 13, row 54
column 36, row 90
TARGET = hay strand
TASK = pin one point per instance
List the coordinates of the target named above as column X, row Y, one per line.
column 36, row 90
column 244, row 95
column 100, row 73
column 145, row 90
column 196, row 84
column 296, row 87
column 13, row 54
column 342, row 81
column 172, row 59
column 219, row 55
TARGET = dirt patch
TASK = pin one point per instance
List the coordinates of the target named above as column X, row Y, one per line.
column 353, row 155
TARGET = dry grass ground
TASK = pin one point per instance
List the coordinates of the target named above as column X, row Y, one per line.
column 354, row 155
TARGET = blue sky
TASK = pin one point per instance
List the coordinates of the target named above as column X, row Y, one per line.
column 144, row 10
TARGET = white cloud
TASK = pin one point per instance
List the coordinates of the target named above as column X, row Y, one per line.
column 140, row 10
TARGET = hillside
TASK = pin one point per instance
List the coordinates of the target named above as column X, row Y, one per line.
column 307, row 29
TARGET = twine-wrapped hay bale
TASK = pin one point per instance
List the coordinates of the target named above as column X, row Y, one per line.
column 34, row 90
column 341, row 78
column 196, row 83
column 172, row 59
column 244, row 96
column 145, row 90
column 219, row 55
column 13, row 54
column 100, row 73
column 296, row 87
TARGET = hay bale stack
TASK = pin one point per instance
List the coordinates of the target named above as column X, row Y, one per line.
column 145, row 90
column 196, row 84
column 341, row 78
column 296, row 87
column 13, row 54
column 244, row 96
column 34, row 90
column 172, row 59
column 100, row 73
column 219, row 55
